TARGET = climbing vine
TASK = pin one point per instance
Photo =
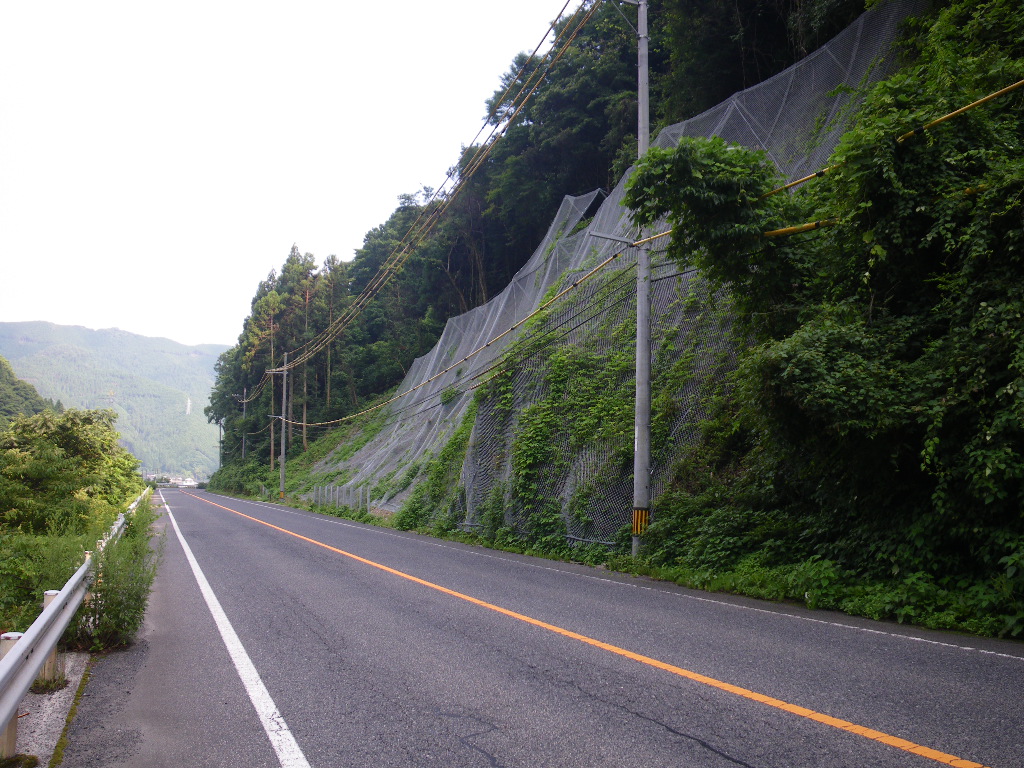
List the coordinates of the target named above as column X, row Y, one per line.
column 434, row 500
column 877, row 412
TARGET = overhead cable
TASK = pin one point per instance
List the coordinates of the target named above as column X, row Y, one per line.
column 419, row 231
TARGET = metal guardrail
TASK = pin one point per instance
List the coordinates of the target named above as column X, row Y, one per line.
column 22, row 664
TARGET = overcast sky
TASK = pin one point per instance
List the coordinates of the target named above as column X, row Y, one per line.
column 158, row 159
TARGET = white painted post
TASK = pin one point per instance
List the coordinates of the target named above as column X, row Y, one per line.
column 9, row 741
column 49, row 670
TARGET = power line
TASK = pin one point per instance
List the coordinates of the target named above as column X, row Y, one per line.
column 515, row 326
column 429, row 217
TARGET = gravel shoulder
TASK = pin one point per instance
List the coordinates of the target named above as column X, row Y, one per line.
column 42, row 716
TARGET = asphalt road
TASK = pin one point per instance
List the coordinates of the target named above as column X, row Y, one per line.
column 341, row 644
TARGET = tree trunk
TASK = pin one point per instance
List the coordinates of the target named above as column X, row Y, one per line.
column 330, row 322
column 289, row 395
column 272, row 400
column 463, row 306
column 305, row 372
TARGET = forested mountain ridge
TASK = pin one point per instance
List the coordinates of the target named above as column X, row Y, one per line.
column 157, row 387
column 17, row 397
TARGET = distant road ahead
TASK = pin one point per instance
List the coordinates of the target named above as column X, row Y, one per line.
column 337, row 644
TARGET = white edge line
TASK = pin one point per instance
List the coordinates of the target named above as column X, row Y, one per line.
column 281, row 739
column 697, row 598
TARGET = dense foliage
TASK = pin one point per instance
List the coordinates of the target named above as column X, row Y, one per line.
column 876, row 420
column 126, row 569
column 17, row 397
column 576, row 134
column 866, row 452
column 59, row 473
column 63, row 481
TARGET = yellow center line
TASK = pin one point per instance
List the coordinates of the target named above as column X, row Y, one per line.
column 810, row 714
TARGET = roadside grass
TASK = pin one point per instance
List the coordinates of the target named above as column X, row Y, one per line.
column 815, row 583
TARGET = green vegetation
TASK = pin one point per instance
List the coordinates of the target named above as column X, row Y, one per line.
column 867, row 452
column 435, row 499
column 19, row 761
column 59, row 473
column 575, row 135
column 858, row 446
column 63, row 481
column 254, row 477
column 148, row 382
column 125, row 571
column 62, row 743
column 17, row 397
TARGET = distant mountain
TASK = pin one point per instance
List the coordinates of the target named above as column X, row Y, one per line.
column 157, row 386
column 17, row 397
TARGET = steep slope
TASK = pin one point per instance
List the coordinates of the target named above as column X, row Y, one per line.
column 546, row 451
column 17, row 397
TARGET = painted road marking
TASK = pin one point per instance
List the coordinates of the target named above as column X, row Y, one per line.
column 810, row 714
column 281, row 739
column 633, row 585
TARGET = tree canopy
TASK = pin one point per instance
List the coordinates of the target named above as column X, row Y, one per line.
column 63, row 472
column 871, row 433
column 17, row 397
column 576, row 134
column 878, row 401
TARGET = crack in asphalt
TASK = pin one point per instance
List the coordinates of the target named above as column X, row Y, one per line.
column 687, row 736
column 465, row 740
column 570, row 683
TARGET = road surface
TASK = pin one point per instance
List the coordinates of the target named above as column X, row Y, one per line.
column 276, row 637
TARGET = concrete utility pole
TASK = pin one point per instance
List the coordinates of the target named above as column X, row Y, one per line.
column 643, row 87
column 642, row 416
column 245, row 395
column 284, row 411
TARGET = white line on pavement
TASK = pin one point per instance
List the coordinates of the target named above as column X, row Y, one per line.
column 281, row 739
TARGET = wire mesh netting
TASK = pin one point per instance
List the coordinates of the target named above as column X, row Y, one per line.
column 550, row 451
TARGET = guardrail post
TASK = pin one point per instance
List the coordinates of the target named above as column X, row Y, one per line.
column 49, row 671
column 88, row 593
column 9, row 742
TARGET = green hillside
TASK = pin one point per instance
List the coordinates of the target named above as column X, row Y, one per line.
column 157, row 387
column 838, row 380
column 17, row 397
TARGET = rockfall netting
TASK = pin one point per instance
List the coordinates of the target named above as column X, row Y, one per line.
column 533, row 431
